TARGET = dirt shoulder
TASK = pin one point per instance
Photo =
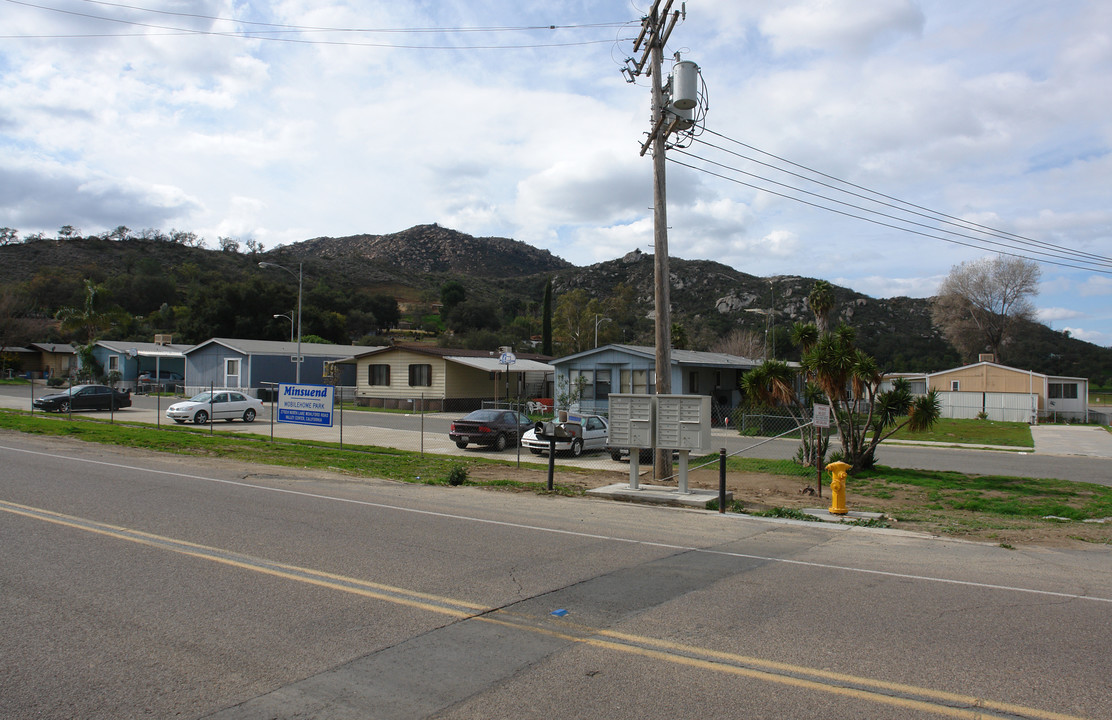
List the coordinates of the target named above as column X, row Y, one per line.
column 906, row 508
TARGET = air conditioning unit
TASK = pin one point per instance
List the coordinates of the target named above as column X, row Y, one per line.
column 163, row 339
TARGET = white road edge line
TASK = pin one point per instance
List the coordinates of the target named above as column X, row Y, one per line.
column 572, row 533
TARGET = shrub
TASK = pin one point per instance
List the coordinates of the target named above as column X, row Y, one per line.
column 457, row 475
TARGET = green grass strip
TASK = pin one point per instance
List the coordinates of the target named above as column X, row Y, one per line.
column 362, row 460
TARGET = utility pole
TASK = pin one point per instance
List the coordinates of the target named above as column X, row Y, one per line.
column 655, row 29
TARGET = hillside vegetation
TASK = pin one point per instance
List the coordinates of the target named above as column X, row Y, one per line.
column 367, row 287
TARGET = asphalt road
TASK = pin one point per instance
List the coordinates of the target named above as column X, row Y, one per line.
column 137, row 585
column 429, row 433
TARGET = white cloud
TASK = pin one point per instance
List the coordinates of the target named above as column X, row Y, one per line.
column 1050, row 315
column 1096, row 337
column 888, row 287
column 847, row 25
column 992, row 112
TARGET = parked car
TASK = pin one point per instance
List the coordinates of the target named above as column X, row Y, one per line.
column 586, row 433
column 493, row 428
column 84, row 397
column 644, row 455
column 218, row 404
column 164, row 377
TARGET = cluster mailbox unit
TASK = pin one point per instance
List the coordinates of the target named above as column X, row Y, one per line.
column 663, row 422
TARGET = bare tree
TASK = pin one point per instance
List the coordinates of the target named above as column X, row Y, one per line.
column 18, row 322
column 980, row 302
column 741, row 342
column 573, row 320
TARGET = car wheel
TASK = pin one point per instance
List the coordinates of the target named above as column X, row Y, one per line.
column 576, row 448
column 616, row 455
column 64, row 406
column 500, row 442
column 200, row 418
column 461, row 444
column 249, row 415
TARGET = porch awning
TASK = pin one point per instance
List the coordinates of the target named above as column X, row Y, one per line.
column 491, row 364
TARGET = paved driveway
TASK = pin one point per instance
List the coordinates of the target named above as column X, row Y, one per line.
column 1072, row 440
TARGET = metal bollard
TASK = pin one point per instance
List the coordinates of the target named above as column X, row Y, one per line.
column 722, row 480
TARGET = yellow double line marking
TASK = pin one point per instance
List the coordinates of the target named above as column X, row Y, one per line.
column 850, row 686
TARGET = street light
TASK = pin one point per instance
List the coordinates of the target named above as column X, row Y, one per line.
column 597, row 321
column 298, row 275
column 288, row 317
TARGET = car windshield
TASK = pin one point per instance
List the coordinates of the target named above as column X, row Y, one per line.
column 201, row 397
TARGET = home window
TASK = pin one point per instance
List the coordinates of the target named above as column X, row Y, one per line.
column 113, row 363
column 693, row 382
column 955, row 385
column 602, row 384
column 420, row 375
column 1062, row 391
column 586, row 382
column 379, row 375
column 231, row 372
column 641, row 382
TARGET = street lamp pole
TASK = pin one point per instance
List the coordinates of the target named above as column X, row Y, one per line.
column 597, row 321
column 290, row 318
column 298, row 275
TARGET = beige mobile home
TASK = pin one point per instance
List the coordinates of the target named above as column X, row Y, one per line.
column 1010, row 394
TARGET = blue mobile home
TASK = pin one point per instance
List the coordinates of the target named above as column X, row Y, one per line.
column 254, row 365
column 131, row 359
column 632, row 369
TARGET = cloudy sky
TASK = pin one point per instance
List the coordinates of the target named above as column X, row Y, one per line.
column 984, row 126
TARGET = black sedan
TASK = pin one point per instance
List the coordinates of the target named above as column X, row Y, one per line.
column 85, row 397
column 492, row 428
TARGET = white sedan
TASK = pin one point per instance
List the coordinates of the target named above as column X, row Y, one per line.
column 218, row 405
column 584, row 433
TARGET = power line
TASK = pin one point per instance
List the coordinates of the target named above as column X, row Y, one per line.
column 273, row 31
column 1059, row 252
column 316, row 28
column 942, row 217
column 1012, row 252
column 896, row 203
column 1004, row 242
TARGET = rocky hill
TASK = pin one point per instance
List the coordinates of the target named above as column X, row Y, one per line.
column 709, row 299
column 431, row 250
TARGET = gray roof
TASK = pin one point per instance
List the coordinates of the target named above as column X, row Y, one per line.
column 679, row 357
column 143, row 348
column 285, row 347
column 54, row 347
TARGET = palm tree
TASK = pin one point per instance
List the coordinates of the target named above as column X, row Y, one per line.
column 88, row 320
column 821, row 301
column 851, row 379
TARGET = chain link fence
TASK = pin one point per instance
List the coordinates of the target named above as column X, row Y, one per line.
column 419, row 425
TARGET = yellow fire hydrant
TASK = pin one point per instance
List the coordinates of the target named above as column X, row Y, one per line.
column 838, row 472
